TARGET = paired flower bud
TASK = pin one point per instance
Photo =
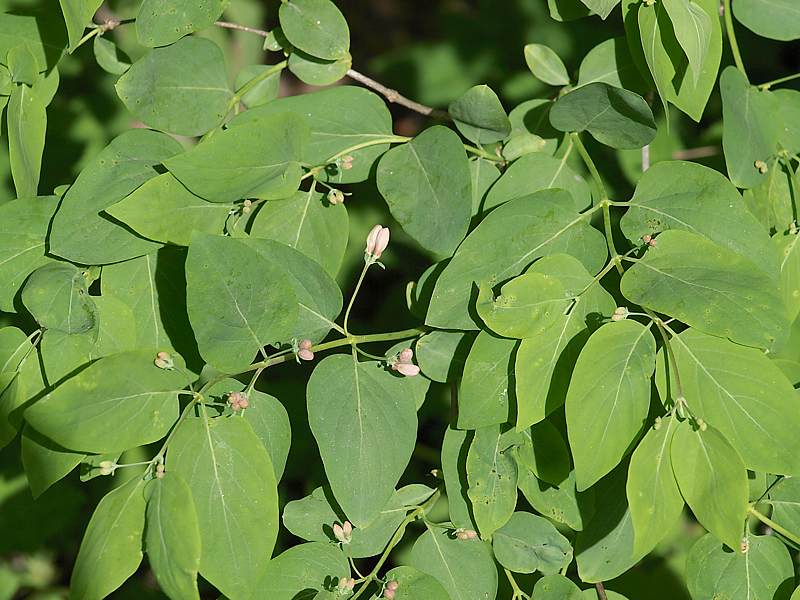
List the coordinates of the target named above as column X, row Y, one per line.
column 390, row 590
column 107, row 467
column 403, row 365
column 761, row 166
column 620, row 314
column 304, row 352
column 336, row 197
column 701, row 424
column 466, row 534
column 346, row 162
column 238, row 400
column 163, row 360
column 377, row 240
column 343, row 532
column 649, row 240
column 247, row 207
column 347, row 584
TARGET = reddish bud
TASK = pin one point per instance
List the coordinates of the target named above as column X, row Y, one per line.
column 163, row 360
column 471, row 534
column 346, row 162
column 244, row 403
column 392, row 585
column 406, row 369
column 388, row 594
column 377, row 241
column 351, row 583
column 305, row 354
column 238, row 400
column 305, row 345
column 405, row 356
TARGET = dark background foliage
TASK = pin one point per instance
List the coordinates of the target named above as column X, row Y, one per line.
column 432, row 51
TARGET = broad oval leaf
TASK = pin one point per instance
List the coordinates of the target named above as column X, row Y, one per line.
column 555, row 587
column 27, row 125
column 717, row 378
column 58, row 298
column 479, row 115
column 413, row 584
column 365, row 424
column 111, row 549
column 181, row 89
column 612, row 115
column 505, row 243
column 426, row 183
column 709, row 287
column 316, row 71
column 545, row 453
column 235, row 493
column 162, row 22
column 546, row 65
column 441, row 354
column 465, row 568
column 45, row 461
column 610, row 62
column 774, row 19
column 484, row 388
column 172, row 536
column 109, row 57
column 784, row 498
column 692, row 28
column 529, row 543
column 492, row 476
column 609, row 397
column 562, row 502
column 77, row 15
column 316, row 27
column 270, row 422
column 85, row 411
column 712, row 480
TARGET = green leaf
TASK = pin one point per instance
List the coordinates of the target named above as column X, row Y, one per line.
column 764, row 571
column 784, row 498
column 233, row 485
column 691, row 197
column 712, row 480
column 425, row 183
column 22, row 65
column 181, row 89
column 546, row 65
column 265, row 89
column 270, row 423
column 708, row 287
column 84, row 412
column 492, row 476
column 465, row 568
column 750, row 128
column 602, row 8
column 528, row 543
column 316, row 71
column 656, row 48
column 567, row 10
column 16, row 388
column 505, row 243
column 27, row 122
column 692, row 27
column 293, row 574
column 562, row 502
column 111, row 549
column 455, row 447
column 45, row 461
column 535, row 172
column 774, row 19
column 556, row 587
column 312, row 517
column 771, row 200
column 653, row 495
column 80, row 232
column 308, row 224
column 164, row 211
column 544, row 452
column 483, row 174
column 441, row 354
column 78, row 15
column 58, row 298
column 23, row 229
column 613, row 116
column 340, row 119
column 610, row 62
column 532, row 117
column 480, row 116
column 172, row 536
column 316, row 27
column 740, row 392
column 609, row 397
column 413, row 584
column 484, row 389
column 109, row 57
column 365, row 424
column 527, row 305
column 260, row 161
column 162, row 22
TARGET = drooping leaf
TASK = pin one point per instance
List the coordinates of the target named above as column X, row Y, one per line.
column 484, row 394
column 80, row 232
column 441, row 354
column 260, row 161
column 480, row 116
column 532, row 118
column 78, row 15
column 84, row 412
column 164, row 211
column 57, row 296
column 529, row 543
column 504, row 245
column 718, row 383
column 426, row 184
column 111, row 549
column 483, row 174
column 544, row 452
column 162, row 22
column 316, row 71
column 109, row 57
column 300, row 571
column 774, row 19
column 692, row 27
column 712, row 480
column 562, row 502
column 602, row 8
column 609, row 397
column 545, row 64
column 492, row 477
column 181, row 89
column 364, row 421
column 172, row 536
column 45, row 461
column 613, row 116
column 610, row 62
column 762, row 572
column 412, row 584
column 263, row 87
column 233, row 485
column 455, row 447
column 316, row 27
column 653, row 495
column 465, row 568
column 270, row 423
column 710, row 288
column 27, row 122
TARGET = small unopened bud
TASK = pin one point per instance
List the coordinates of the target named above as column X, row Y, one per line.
column 702, row 425
column 346, row 162
column 305, row 345
column 343, row 533
column 377, row 241
column 388, row 594
column 405, row 356
column 107, row 467
column 392, row 585
column 657, row 424
column 160, row 470
column 761, row 166
column 351, row 583
column 336, row 197
column 244, row 403
column 238, row 400
column 649, row 240
column 620, row 314
column 163, row 360
column 347, row 528
column 793, row 228
column 744, row 545
column 247, row 206
column 305, row 354
column 471, row 534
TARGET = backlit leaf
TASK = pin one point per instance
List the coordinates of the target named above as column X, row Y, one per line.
column 480, row 116
column 546, row 65
column 492, row 476
column 58, row 298
column 484, row 389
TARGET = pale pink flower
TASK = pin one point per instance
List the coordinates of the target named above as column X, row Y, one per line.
column 377, row 241
column 406, row 369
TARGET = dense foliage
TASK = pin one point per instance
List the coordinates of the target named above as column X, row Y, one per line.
column 583, row 386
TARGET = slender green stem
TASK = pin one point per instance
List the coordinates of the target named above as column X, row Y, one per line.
column 159, row 457
column 769, row 84
column 367, row 265
column 612, row 249
column 518, row 593
column 483, row 153
column 240, row 93
column 775, row 526
column 389, row 139
column 737, row 56
column 95, row 31
column 601, row 189
column 663, row 328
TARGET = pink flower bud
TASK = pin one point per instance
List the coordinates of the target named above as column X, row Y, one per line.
column 351, row 583
column 406, row 369
column 392, row 585
column 107, row 467
column 343, row 533
column 244, row 403
column 377, row 241
column 343, row 583
column 405, row 356
column 471, row 534
column 238, row 400
column 462, row 535
column 620, row 314
column 338, row 532
column 163, row 360
column 347, row 528
column 305, row 345
column 305, row 354
column 388, row 594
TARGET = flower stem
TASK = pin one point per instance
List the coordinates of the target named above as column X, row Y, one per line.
column 367, row 265
column 737, row 57
column 769, row 84
column 518, row 593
